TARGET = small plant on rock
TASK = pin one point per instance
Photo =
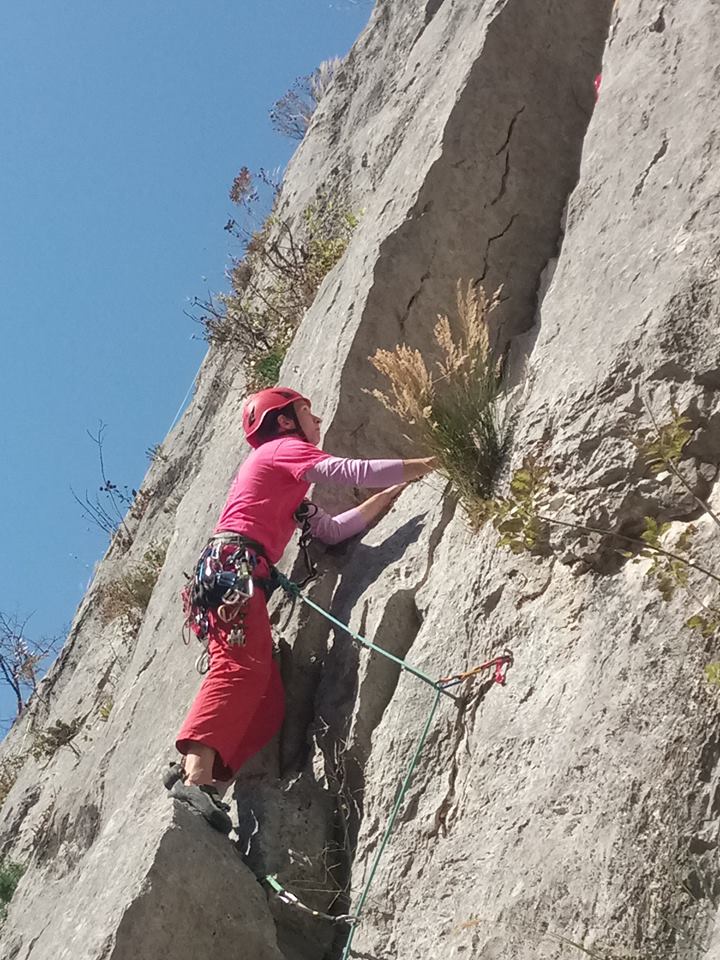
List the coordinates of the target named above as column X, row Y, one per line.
column 10, row 874
column 23, row 660
column 105, row 709
column 454, row 413
column 292, row 113
column 113, row 505
column 130, row 595
column 278, row 276
column 517, row 517
column 663, row 450
column 10, row 768
column 522, row 519
column 156, row 454
column 47, row 742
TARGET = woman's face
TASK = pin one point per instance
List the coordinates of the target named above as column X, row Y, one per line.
column 309, row 423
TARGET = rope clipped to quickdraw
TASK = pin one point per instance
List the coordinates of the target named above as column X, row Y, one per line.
column 287, row 897
column 501, row 664
column 293, row 590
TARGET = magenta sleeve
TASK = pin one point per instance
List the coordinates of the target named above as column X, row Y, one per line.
column 335, row 529
column 296, row 456
column 360, row 473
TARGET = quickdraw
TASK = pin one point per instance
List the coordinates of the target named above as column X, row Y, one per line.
column 287, row 897
column 502, row 664
column 302, row 515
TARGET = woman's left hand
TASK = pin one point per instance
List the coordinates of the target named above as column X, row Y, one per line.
column 392, row 493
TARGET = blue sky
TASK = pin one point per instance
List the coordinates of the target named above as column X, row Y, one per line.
column 123, row 125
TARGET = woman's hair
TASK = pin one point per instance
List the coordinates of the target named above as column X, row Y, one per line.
column 268, row 429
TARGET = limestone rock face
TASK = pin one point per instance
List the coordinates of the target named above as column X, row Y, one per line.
column 577, row 806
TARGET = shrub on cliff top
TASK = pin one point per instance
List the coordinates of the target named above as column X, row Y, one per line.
column 292, row 113
column 276, row 279
column 455, row 414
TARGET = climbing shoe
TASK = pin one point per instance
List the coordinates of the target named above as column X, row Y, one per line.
column 206, row 800
column 172, row 774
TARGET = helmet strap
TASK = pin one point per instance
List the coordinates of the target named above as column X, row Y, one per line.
column 297, row 430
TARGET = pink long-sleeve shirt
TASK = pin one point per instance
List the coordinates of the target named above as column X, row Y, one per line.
column 273, row 481
column 349, row 472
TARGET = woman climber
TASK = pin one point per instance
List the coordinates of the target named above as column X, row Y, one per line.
column 240, row 705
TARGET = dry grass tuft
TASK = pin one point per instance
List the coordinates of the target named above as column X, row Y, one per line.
column 454, row 415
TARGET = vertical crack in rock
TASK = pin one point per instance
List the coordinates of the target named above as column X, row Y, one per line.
column 302, row 672
column 347, row 738
column 659, row 154
column 493, row 200
column 506, row 142
column 488, row 245
column 503, row 181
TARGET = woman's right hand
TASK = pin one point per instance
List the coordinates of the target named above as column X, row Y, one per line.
column 414, row 469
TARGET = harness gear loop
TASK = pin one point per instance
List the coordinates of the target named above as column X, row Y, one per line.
column 302, row 515
column 202, row 663
column 223, row 582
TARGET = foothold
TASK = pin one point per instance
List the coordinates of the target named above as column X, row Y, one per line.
column 658, row 26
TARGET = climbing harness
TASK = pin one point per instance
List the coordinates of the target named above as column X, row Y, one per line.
column 224, row 582
column 441, row 687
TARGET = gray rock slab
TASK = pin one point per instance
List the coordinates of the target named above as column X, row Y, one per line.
column 578, row 803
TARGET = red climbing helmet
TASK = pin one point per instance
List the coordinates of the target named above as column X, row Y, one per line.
column 257, row 406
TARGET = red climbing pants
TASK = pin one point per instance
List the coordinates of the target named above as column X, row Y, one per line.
column 240, row 705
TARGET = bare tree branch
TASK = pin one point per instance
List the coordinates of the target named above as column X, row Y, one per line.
column 22, row 659
column 292, row 113
column 110, row 519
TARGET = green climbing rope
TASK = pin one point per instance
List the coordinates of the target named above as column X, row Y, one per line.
column 293, row 590
column 404, row 787
column 440, row 688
